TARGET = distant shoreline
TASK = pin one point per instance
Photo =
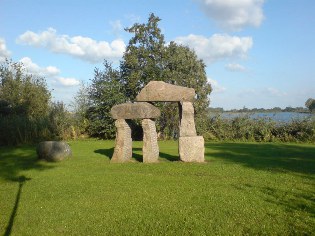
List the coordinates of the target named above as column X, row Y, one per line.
column 261, row 110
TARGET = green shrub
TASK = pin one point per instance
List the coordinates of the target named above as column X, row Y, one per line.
column 259, row 130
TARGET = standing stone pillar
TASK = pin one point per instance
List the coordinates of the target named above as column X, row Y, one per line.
column 123, row 143
column 150, row 149
column 187, row 120
column 191, row 147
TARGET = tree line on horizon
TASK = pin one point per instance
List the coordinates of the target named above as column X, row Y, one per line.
column 305, row 109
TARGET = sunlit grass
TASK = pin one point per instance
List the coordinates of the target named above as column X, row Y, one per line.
column 243, row 188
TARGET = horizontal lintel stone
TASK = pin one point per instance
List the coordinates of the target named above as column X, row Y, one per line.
column 138, row 110
column 159, row 91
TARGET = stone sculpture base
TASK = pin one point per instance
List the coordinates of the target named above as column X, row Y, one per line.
column 191, row 149
column 123, row 143
column 150, row 149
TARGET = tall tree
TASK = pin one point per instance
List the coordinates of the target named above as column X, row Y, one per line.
column 143, row 59
column 310, row 104
column 182, row 67
column 80, row 106
column 105, row 91
column 147, row 58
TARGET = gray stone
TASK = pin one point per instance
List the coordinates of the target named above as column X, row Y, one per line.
column 187, row 121
column 53, row 150
column 150, row 149
column 159, row 91
column 123, row 142
column 191, row 149
column 139, row 110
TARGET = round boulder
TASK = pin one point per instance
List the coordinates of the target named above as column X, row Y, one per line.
column 53, row 150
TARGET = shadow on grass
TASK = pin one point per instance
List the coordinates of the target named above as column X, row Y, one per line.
column 138, row 157
column 169, row 157
column 267, row 156
column 14, row 160
column 278, row 158
column 21, row 179
column 298, row 201
column 106, row 152
column 135, row 154
column 110, row 151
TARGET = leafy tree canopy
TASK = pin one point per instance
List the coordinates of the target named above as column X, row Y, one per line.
column 310, row 104
column 104, row 92
column 22, row 93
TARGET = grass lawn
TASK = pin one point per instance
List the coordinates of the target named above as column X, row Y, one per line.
column 243, row 188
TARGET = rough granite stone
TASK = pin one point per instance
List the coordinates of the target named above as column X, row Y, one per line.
column 187, row 121
column 123, row 142
column 139, row 110
column 53, row 151
column 150, row 149
column 159, row 91
column 191, row 149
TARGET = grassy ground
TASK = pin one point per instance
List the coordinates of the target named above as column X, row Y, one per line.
column 243, row 188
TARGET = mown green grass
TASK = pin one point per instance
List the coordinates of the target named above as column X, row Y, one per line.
column 243, row 188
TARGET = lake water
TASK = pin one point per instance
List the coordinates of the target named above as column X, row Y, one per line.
column 276, row 116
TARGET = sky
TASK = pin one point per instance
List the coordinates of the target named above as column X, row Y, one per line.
column 258, row 53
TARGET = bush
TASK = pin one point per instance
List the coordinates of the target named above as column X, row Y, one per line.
column 16, row 129
column 259, row 130
column 58, row 124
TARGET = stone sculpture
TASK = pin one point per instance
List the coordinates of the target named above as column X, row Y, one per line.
column 123, row 146
column 191, row 146
column 53, row 151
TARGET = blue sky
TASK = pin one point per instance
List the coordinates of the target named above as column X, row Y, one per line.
column 259, row 53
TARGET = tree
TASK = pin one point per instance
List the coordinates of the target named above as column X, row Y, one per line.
column 182, row 67
column 23, row 94
column 143, row 58
column 105, row 91
column 24, row 106
column 310, row 104
column 147, row 58
column 80, row 106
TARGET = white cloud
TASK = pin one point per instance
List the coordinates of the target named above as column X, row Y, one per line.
column 235, row 67
column 234, row 14
column 78, row 46
column 217, row 88
column 51, row 72
column 68, row 81
column 33, row 68
column 4, row 52
column 218, row 46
